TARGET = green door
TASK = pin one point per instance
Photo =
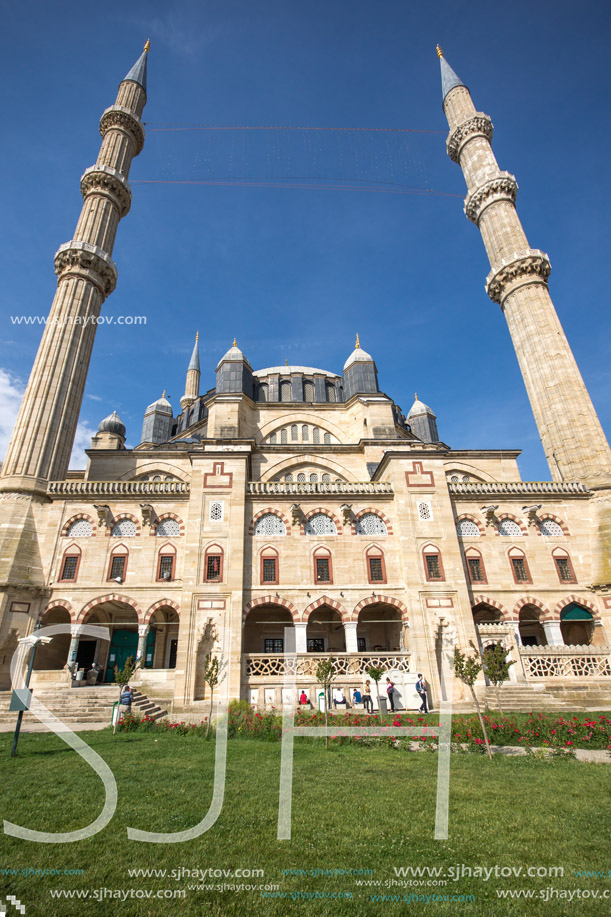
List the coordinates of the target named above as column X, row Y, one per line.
column 124, row 644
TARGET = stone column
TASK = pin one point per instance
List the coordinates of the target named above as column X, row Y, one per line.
column 553, row 633
column 301, row 640
column 75, row 634
column 350, row 635
column 143, row 632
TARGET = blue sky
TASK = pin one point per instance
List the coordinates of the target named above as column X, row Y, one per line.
column 295, row 272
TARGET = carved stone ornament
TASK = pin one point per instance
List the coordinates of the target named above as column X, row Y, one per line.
column 89, row 261
column 148, row 514
column 346, row 509
column 479, row 125
column 296, row 514
column 502, row 188
column 109, row 182
column 104, row 515
column 530, row 267
column 126, row 120
column 490, row 514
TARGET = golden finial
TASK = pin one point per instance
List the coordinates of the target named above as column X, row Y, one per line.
column 439, row 52
column 416, row 396
column 286, row 362
column 357, row 346
column 196, row 336
column 147, row 46
column 235, row 342
column 163, row 394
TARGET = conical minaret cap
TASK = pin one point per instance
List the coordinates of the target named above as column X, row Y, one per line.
column 449, row 79
column 194, row 362
column 234, row 354
column 358, row 355
column 138, row 71
column 419, row 407
column 112, row 424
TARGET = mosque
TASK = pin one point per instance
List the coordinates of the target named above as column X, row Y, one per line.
column 303, row 498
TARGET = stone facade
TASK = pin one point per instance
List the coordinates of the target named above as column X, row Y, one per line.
column 302, row 498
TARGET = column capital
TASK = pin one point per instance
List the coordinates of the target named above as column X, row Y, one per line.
column 480, row 125
column 104, row 180
column 122, row 118
column 503, row 187
column 88, row 261
column 143, row 630
column 520, row 269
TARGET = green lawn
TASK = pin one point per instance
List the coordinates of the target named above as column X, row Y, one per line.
column 353, row 808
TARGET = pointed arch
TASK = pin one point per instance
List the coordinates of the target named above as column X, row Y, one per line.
column 164, row 518
column 579, row 600
column 468, row 517
column 111, row 597
column 552, row 518
column 380, row 600
column 267, row 511
column 509, row 516
column 271, row 600
column 162, row 603
column 531, row 600
column 78, row 517
column 486, row 600
column 331, row 603
column 321, row 510
column 59, row 603
column 375, row 512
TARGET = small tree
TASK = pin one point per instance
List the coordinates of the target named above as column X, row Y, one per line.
column 466, row 669
column 211, row 675
column 124, row 676
column 325, row 673
column 496, row 667
column 376, row 673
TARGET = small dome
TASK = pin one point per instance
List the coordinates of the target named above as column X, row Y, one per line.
column 358, row 356
column 419, row 407
column 162, row 406
column 112, row 424
column 234, row 354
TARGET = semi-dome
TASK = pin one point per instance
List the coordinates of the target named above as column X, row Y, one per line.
column 358, row 355
column 112, row 424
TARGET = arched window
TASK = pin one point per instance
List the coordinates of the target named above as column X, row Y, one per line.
column 509, row 527
column 262, row 391
column 320, row 524
column 331, row 393
column 370, row 524
column 81, row 528
column 269, row 567
column 286, row 391
column 466, row 478
column 301, row 478
column 475, row 566
column 316, row 437
column 124, row 528
column 454, row 478
column 305, row 434
column 270, row 524
column 284, row 435
column 327, row 439
column 326, row 479
column 550, row 528
column 564, row 567
column 117, row 568
column 166, row 563
column 288, row 478
column 313, row 478
column 323, row 566
column 467, row 529
column 376, row 568
column 519, row 566
column 308, row 391
column 168, row 528
column 272, row 439
column 433, row 565
column 70, row 564
column 213, row 564
column 294, row 432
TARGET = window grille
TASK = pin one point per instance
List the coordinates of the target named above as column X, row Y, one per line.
column 316, row 437
column 284, row 436
column 213, row 567
column 549, row 527
column 169, row 528
column 166, row 567
column 433, row 566
column 376, row 570
column 370, row 524
column 305, row 434
column 294, row 432
column 565, row 572
column 320, row 524
column 323, row 570
column 125, row 528
column 80, row 529
column 301, row 478
column 424, row 510
column 520, row 570
column 308, row 391
column 467, row 529
column 509, row 527
column 216, row 511
column 117, row 566
column 69, row 567
column 476, row 571
column 273, row 645
column 270, row 524
column 269, row 569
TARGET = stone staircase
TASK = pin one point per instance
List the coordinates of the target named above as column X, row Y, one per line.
column 522, row 698
column 86, row 705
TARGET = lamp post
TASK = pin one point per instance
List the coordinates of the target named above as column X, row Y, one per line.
column 19, row 701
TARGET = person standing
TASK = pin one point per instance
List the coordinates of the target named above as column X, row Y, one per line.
column 422, row 688
column 367, row 697
column 125, row 701
column 390, row 691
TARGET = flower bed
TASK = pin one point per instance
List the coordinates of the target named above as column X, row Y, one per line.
column 534, row 729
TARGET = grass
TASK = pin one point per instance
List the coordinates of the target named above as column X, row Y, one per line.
column 353, row 808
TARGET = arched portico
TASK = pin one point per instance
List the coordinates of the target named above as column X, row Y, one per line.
column 532, row 632
column 264, row 628
column 54, row 656
column 380, row 628
column 325, row 631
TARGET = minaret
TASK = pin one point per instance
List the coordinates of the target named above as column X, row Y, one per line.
column 360, row 374
column 193, row 374
column 423, row 421
column 42, row 440
column 573, row 440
